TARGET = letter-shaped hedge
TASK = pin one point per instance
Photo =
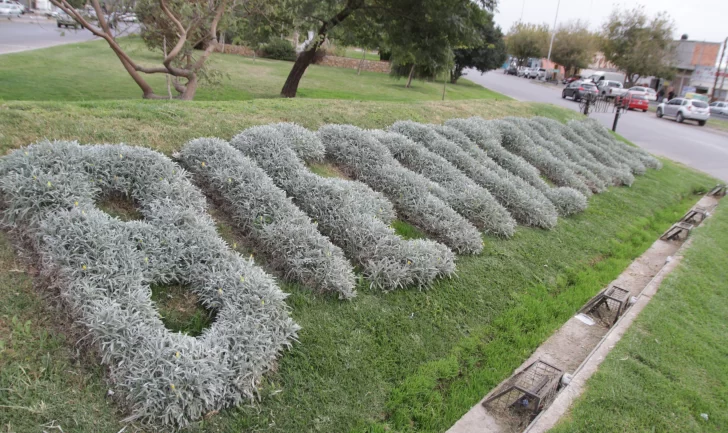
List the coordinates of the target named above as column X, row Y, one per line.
column 343, row 212
column 104, row 267
column 634, row 163
column 621, row 172
column 647, row 159
column 575, row 164
column 369, row 161
column 463, row 194
column 289, row 240
column 528, row 205
column 487, row 136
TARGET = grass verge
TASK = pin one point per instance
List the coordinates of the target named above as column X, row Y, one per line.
column 408, row 360
column 90, row 71
column 672, row 364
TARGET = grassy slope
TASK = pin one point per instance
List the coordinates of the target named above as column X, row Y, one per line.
column 406, row 359
column 672, row 365
column 71, row 73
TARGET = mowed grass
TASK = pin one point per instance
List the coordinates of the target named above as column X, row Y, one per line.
column 404, row 361
column 672, row 365
column 356, row 53
column 90, row 71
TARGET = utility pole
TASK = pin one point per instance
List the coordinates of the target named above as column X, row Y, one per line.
column 553, row 35
column 717, row 71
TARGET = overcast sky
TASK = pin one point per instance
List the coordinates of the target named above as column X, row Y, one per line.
column 700, row 19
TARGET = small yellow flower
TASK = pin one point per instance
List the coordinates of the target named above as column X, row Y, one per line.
column 409, row 262
column 83, row 267
column 219, row 292
column 49, row 184
column 235, row 244
column 75, row 203
column 83, row 212
column 262, row 302
column 328, row 253
column 242, row 280
column 26, row 152
column 171, row 385
column 146, row 259
column 121, row 156
column 202, row 163
column 229, row 180
column 251, row 257
column 177, row 354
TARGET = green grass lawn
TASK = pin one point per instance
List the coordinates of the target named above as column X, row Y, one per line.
column 354, row 54
column 672, row 365
column 404, row 361
column 90, row 71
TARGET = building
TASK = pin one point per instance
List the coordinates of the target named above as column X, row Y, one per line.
column 689, row 56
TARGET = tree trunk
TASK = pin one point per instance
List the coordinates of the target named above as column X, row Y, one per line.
column 409, row 78
column 190, row 89
column 455, row 74
column 290, row 88
column 361, row 62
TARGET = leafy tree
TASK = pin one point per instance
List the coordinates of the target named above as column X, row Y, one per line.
column 574, row 46
column 527, row 40
column 413, row 26
column 363, row 32
column 638, row 45
column 488, row 53
column 175, row 27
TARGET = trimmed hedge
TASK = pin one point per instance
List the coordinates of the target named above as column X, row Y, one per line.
column 648, row 160
column 621, row 155
column 463, row 194
column 286, row 236
column 343, row 211
column 366, row 159
column 528, row 205
column 104, row 266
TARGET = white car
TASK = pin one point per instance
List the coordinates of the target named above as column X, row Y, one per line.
column 685, row 109
column 650, row 92
column 719, row 108
column 10, row 10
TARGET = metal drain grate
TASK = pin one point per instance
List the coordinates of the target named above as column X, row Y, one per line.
column 526, row 392
column 695, row 216
column 608, row 306
column 677, row 232
column 718, row 191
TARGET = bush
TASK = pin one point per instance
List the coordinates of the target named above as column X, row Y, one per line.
column 279, row 49
column 647, row 159
column 621, row 172
column 104, row 266
column 289, row 240
column 570, row 160
column 526, row 204
column 621, row 155
column 465, row 196
column 488, row 137
column 345, row 213
column 365, row 158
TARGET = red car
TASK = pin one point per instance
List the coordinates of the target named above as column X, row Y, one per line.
column 635, row 101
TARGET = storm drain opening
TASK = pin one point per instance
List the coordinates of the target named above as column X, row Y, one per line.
column 526, row 393
column 678, row 232
column 718, row 191
column 695, row 216
column 608, row 306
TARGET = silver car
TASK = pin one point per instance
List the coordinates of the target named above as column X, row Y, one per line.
column 685, row 109
column 719, row 108
column 10, row 10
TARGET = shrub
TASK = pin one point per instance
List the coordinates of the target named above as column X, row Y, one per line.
column 465, row 196
column 620, row 171
column 289, row 240
column 644, row 156
column 366, row 159
column 104, row 266
column 279, row 49
column 344, row 212
column 488, row 137
column 620, row 155
column 526, row 203
column 562, row 155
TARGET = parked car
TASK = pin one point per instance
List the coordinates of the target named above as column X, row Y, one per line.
column 65, row 20
column 611, row 89
column 535, row 73
column 130, row 17
column 511, row 70
column 651, row 94
column 522, row 70
column 571, row 79
column 17, row 3
column 719, row 108
column 579, row 89
column 685, row 109
column 10, row 10
column 635, row 101
column 541, row 74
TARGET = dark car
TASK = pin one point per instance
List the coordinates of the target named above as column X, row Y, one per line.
column 571, row 79
column 512, row 70
column 579, row 89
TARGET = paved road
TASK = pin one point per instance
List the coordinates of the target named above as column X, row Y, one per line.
column 687, row 143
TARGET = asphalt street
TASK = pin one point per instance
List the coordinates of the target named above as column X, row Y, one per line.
column 688, row 143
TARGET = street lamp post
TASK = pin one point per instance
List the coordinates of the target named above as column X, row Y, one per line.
column 553, row 35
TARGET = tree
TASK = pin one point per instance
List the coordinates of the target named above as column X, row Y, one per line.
column 488, row 53
column 178, row 24
column 365, row 33
column 574, row 46
column 403, row 21
column 527, row 40
column 638, row 45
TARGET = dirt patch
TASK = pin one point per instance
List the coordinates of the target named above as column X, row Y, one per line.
column 180, row 309
column 120, row 206
column 326, row 169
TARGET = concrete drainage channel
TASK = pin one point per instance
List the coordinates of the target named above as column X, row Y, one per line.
column 543, row 388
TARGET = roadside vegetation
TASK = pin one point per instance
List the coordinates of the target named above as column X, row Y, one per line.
column 670, row 368
column 406, row 360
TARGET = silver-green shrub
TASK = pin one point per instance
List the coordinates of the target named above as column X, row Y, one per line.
column 286, row 236
column 527, row 205
column 463, row 194
column 368, row 160
column 620, row 172
column 648, row 160
column 104, row 266
column 307, row 146
column 343, row 211
column 583, row 170
column 514, row 140
column 488, row 137
column 621, row 155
